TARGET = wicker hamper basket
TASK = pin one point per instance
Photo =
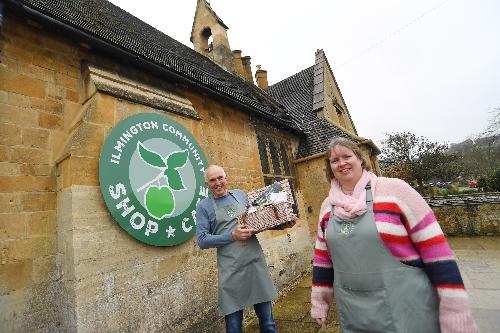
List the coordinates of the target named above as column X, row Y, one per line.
column 271, row 216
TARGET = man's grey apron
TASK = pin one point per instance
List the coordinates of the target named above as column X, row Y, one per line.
column 375, row 292
column 244, row 279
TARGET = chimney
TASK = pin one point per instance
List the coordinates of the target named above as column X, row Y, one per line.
column 247, row 69
column 238, row 65
column 261, row 78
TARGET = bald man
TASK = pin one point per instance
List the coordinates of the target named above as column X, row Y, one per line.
column 244, row 278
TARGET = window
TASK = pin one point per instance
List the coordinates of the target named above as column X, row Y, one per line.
column 275, row 163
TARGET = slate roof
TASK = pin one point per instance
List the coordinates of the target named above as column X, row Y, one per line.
column 109, row 23
column 318, row 134
column 296, row 94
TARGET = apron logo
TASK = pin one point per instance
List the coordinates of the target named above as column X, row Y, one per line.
column 151, row 174
column 346, row 228
column 230, row 211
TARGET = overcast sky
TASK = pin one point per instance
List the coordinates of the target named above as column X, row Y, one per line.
column 431, row 67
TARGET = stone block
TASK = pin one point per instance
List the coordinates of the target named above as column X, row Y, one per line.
column 59, row 140
column 55, row 91
column 90, row 266
column 15, row 276
column 16, row 183
column 37, row 72
column 4, row 97
column 172, row 265
column 40, row 223
column 72, row 115
column 72, row 95
column 30, row 155
column 103, row 112
column 25, row 249
column 12, row 226
column 51, row 121
column 45, row 269
column 35, row 137
column 88, row 202
column 18, row 116
column 84, row 171
column 8, row 63
column 38, row 201
column 17, row 52
column 66, row 81
column 35, row 169
column 22, row 84
column 9, row 169
column 10, row 134
column 59, row 45
column 46, row 58
column 10, row 202
column 4, row 153
column 18, row 100
column 87, row 141
column 47, row 105
column 64, row 170
column 44, row 184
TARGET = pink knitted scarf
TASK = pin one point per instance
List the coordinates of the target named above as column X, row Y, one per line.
column 349, row 206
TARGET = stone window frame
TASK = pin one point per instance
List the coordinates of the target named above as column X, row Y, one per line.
column 268, row 159
column 341, row 116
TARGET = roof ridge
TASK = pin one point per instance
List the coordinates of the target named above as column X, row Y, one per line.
column 287, row 78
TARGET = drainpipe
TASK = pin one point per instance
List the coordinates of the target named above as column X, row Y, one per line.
column 1, row 16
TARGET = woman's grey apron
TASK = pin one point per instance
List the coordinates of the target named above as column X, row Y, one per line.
column 244, row 279
column 375, row 292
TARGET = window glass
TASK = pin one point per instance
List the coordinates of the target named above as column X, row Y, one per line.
column 263, row 154
column 275, row 158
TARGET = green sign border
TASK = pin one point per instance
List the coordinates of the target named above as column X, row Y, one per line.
column 114, row 170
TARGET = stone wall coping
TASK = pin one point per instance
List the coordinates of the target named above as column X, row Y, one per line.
column 464, row 199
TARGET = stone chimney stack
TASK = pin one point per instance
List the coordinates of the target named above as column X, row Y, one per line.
column 238, row 64
column 247, row 69
column 261, row 78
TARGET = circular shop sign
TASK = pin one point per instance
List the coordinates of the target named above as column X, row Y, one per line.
column 151, row 173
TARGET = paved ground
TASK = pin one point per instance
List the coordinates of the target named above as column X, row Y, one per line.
column 479, row 260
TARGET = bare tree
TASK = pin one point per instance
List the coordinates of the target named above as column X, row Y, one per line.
column 417, row 159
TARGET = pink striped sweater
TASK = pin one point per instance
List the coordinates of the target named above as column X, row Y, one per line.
column 409, row 229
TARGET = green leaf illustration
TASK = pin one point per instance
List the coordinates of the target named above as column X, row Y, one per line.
column 174, row 179
column 177, row 159
column 150, row 157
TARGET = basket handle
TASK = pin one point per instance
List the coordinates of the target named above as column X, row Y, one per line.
column 244, row 217
column 276, row 214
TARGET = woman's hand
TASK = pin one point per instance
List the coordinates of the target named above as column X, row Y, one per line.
column 320, row 321
column 292, row 222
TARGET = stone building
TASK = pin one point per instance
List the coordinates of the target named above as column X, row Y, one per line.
column 70, row 71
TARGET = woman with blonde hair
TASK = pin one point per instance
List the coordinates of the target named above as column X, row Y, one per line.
column 381, row 246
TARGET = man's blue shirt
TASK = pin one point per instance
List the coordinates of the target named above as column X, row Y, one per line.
column 206, row 221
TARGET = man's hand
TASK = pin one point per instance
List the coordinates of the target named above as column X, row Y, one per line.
column 242, row 233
